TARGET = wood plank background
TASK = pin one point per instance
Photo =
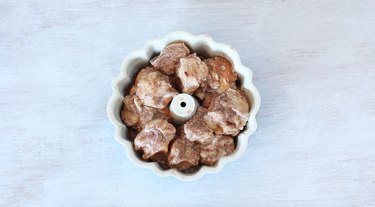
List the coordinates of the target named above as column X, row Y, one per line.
column 313, row 63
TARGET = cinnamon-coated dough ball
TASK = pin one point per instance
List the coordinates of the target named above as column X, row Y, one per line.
column 192, row 72
column 196, row 129
column 135, row 115
column 221, row 74
column 169, row 58
column 154, row 138
column 228, row 112
column 219, row 146
column 154, row 88
column 184, row 154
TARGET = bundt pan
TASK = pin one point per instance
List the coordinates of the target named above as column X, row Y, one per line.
column 202, row 44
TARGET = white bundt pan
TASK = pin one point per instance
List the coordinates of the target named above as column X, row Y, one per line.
column 202, row 44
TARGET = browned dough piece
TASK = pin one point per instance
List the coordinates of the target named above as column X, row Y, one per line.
column 144, row 71
column 219, row 146
column 183, row 154
column 192, row 72
column 162, row 159
column 227, row 112
column 221, row 74
column 132, row 106
column 154, row 88
column 154, row 138
column 196, row 128
column 201, row 92
column 135, row 115
column 169, row 58
column 208, row 99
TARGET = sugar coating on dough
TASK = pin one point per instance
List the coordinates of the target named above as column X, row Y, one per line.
column 219, row 146
column 192, row 72
column 155, row 90
column 135, row 115
column 228, row 112
column 144, row 71
column 154, row 138
column 196, row 129
column 169, row 58
column 183, row 154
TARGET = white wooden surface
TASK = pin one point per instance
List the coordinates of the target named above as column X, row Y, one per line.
column 313, row 63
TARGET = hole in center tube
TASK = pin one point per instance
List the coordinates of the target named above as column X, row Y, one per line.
column 182, row 104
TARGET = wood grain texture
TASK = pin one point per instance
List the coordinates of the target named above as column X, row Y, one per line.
column 313, row 63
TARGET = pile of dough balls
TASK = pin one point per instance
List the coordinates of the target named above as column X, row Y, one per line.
column 209, row 134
